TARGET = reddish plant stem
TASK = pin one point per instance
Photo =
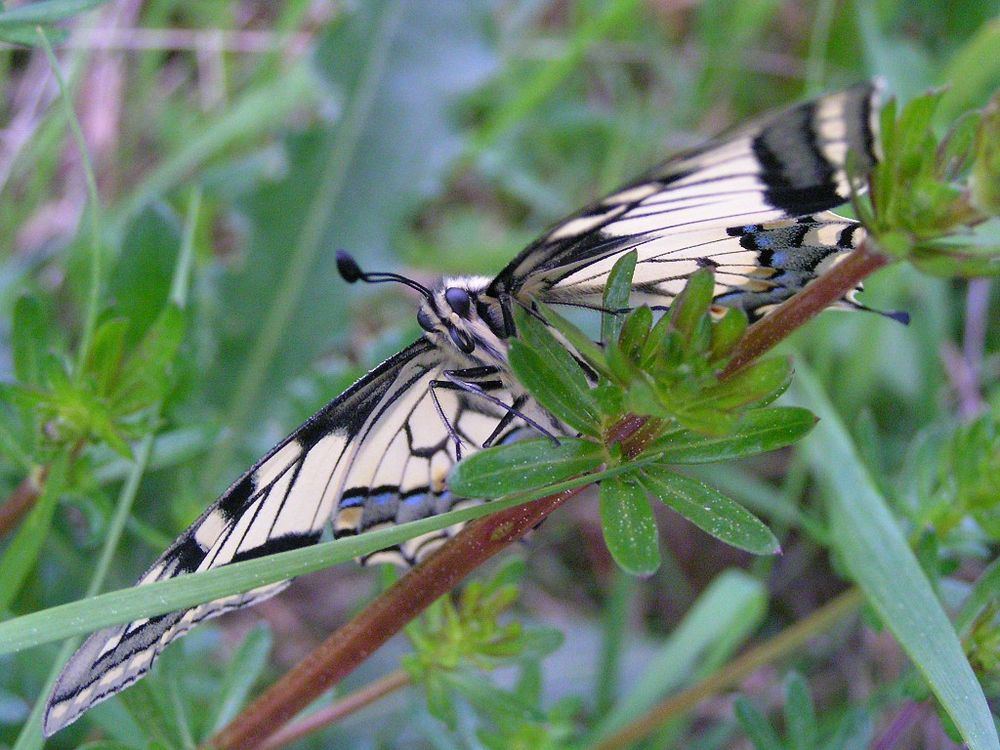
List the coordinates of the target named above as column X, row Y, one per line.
column 22, row 499
column 801, row 308
column 333, row 713
column 381, row 619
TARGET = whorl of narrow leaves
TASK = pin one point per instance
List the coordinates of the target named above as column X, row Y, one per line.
column 471, row 630
column 665, row 371
column 103, row 399
column 936, row 201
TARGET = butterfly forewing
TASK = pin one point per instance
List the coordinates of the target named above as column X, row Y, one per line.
column 685, row 212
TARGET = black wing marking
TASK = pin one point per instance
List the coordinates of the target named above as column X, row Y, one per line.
column 787, row 165
column 282, row 503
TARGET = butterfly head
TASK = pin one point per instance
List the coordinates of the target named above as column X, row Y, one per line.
column 458, row 311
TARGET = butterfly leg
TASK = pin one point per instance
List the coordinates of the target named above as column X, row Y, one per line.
column 505, row 421
column 458, row 379
column 434, row 385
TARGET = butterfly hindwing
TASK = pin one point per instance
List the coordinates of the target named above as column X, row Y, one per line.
column 282, row 503
column 399, row 469
column 756, row 266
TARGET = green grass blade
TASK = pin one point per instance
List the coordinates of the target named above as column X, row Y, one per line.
column 21, row 555
column 124, row 605
column 880, row 560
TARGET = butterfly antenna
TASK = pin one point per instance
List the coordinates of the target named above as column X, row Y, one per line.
column 351, row 272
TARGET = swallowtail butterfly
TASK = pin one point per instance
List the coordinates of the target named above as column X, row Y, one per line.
column 753, row 205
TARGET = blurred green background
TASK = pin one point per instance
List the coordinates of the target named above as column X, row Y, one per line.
column 441, row 137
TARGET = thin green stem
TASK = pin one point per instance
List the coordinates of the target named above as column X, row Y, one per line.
column 615, row 621
column 181, row 283
column 94, row 210
column 116, row 607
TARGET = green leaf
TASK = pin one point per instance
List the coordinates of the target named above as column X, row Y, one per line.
column 106, row 353
column 440, row 704
column 148, row 710
column 629, row 526
column 757, row 727
column 691, row 305
column 758, row 431
column 727, row 332
column 763, row 380
column 524, row 465
column 634, row 331
column 878, row 557
column 544, row 366
column 490, row 699
column 710, row 510
column 566, row 398
column 22, row 553
column 243, row 669
column 580, row 341
column 972, row 72
column 985, row 179
column 140, row 281
column 147, row 371
column 45, row 12
column 617, row 291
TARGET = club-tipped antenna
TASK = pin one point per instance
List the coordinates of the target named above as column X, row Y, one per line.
column 351, row 272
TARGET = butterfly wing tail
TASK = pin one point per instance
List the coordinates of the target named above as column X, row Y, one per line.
column 112, row 659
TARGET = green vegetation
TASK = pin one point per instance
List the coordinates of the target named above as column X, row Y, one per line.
column 174, row 181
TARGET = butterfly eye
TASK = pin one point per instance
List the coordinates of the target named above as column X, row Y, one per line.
column 424, row 320
column 458, row 300
column 462, row 340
